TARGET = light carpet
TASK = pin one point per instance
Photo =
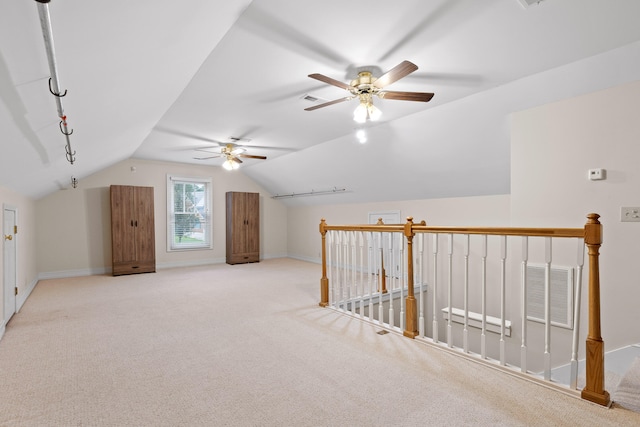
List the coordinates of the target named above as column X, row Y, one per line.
column 627, row 393
column 244, row 345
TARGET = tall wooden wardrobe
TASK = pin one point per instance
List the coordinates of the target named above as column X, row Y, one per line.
column 243, row 227
column 133, row 245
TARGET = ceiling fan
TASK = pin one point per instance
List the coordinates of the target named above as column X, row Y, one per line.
column 231, row 152
column 365, row 86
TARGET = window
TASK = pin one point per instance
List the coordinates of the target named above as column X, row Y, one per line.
column 188, row 213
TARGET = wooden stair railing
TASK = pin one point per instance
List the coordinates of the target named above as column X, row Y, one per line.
column 591, row 233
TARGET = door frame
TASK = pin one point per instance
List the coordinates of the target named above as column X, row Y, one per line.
column 8, row 282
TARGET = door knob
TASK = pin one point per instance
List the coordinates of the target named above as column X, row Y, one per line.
column 8, row 237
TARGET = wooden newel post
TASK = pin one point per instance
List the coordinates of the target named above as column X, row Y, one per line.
column 324, row 281
column 594, row 390
column 411, row 315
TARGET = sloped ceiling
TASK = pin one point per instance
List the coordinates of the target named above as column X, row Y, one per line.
column 161, row 80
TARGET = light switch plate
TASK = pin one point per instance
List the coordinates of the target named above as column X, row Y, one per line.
column 630, row 214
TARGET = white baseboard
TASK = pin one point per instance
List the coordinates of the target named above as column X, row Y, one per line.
column 304, row 258
column 24, row 294
column 274, row 256
column 160, row 266
column 73, row 273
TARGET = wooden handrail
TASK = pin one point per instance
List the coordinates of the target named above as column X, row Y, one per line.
column 497, row 231
column 592, row 235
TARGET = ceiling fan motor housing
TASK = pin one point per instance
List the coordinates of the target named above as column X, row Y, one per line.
column 364, row 83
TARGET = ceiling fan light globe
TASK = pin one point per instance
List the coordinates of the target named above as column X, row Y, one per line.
column 360, row 113
column 374, row 113
column 229, row 165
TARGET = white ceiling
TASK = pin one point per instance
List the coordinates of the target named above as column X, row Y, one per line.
column 158, row 80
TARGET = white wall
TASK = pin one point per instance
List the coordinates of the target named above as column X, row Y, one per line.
column 74, row 235
column 552, row 148
column 304, row 236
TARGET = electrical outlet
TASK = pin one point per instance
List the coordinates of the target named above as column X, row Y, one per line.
column 630, row 214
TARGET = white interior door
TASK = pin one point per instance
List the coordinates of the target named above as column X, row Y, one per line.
column 9, row 263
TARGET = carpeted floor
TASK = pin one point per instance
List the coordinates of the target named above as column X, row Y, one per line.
column 627, row 392
column 244, row 345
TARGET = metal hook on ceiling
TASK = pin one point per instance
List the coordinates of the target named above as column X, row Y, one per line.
column 58, row 94
column 63, row 127
column 71, row 157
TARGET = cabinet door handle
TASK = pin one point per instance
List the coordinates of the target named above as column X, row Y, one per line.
column 132, row 223
column 136, row 222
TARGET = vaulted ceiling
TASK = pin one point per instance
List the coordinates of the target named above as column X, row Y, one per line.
column 164, row 80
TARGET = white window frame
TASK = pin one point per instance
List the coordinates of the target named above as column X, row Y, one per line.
column 172, row 246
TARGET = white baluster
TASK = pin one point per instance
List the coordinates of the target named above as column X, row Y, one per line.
column 353, row 286
column 391, row 282
column 361, row 268
column 523, row 309
column 483, row 334
column 465, row 338
column 435, row 287
column 381, row 277
column 345, row 269
column 547, row 309
column 503, row 293
column 339, row 276
column 450, row 293
column 372, row 268
column 401, row 278
column 573, row 383
column 420, row 276
column 332, row 290
column 338, row 279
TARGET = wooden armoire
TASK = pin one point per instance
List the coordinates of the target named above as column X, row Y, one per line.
column 243, row 227
column 133, row 248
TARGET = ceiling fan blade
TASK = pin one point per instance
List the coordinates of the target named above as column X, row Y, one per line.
column 326, row 104
column 205, row 158
column 401, row 70
column 235, row 159
column 330, row 81
column 406, row 96
column 250, row 156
